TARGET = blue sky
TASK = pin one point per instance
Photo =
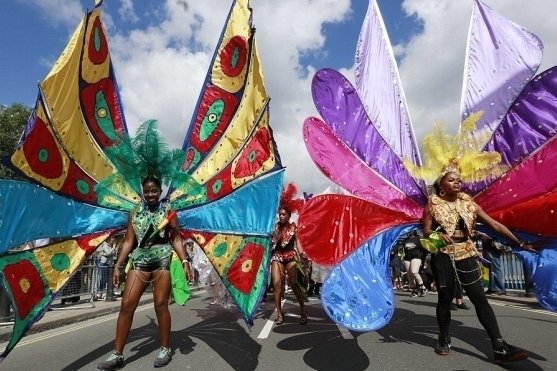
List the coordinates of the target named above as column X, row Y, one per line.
column 33, row 40
column 161, row 50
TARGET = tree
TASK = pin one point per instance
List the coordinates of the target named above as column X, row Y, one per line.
column 12, row 123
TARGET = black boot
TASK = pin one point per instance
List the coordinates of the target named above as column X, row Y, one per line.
column 443, row 346
column 504, row 352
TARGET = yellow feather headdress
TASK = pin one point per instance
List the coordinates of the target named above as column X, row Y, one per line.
column 462, row 155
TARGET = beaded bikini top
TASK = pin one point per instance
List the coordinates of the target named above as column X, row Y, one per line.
column 447, row 214
column 143, row 219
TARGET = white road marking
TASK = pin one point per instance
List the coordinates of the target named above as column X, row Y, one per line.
column 76, row 326
column 345, row 332
column 264, row 334
column 522, row 307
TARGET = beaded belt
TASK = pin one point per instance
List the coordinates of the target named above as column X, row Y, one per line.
column 460, row 250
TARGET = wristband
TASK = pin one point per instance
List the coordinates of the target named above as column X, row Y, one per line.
column 521, row 244
column 184, row 261
column 117, row 266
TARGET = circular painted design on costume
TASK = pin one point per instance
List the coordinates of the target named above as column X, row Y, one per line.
column 60, row 262
column 25, row 285
column 192, row 158
column 220, row 249
column 98, row 47
column 247, row 266
column 82, row 187
column 252, row 155
column 234, row 56
column 41, row 138
column 102, row 112
column 43, row 155
column 217, row 186
column 212, row 117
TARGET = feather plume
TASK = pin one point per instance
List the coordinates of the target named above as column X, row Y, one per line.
column 462, row 154
column 147, row 154
column 288, row 201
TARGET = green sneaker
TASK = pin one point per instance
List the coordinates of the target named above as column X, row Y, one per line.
column 114, row 362
column 164, row 357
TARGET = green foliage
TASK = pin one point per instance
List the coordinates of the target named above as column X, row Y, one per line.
column 12, row 123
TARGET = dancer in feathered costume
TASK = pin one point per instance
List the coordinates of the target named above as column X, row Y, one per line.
column 366, row 135
column 449, row 223
column 152, row 235
column 286, row 260
column 224, row 191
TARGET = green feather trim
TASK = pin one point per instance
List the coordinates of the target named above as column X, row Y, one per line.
column 145, row 155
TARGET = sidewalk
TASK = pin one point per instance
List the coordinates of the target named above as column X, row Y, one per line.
column 517, row 297
column 62, row 315
column 65, row 314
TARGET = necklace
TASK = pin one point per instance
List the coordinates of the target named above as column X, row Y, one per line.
column 451, row 204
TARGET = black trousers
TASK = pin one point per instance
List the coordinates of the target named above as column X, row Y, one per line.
column 469, row 275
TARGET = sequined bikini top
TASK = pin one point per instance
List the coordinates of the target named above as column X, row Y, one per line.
column 448, row 214
column 143, row 218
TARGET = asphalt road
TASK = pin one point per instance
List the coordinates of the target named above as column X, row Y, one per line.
column 211, row 337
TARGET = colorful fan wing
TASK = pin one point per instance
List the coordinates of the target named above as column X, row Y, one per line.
column 229, row 141
column 33, row 278
column 526, row 140
column 235, row 237
column 251, row 209
column 524, row 199
column 337, row 161
column 340, row 107
column 77, row 114
column 234, row 165
column 501, row 58
column 20, row 224
column 358, row 292
column 80, row 93
column 542, row 268
column 350, row 222
column 380, row 89
column 254, row 158
column 242, row 263
column 41, row 158
column 510, row 199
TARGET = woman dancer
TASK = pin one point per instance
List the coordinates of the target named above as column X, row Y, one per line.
column 150, row 251
column 453, row 213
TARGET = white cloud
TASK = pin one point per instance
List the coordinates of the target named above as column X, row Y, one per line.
column 433, row 63
column 127, row 11
column 161, row 68
column 58, row 12
column 161, row 77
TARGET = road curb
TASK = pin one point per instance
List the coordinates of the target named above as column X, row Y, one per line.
column 98, row 312
column 516, row 300
column 74, row 318
column 79, row 316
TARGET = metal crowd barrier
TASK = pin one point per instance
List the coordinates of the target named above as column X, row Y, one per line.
column 80, row 284
column 90, row 281
column 513, row 271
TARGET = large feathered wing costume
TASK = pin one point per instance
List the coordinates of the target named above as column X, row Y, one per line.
column 225, row 187
column 365, row 135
